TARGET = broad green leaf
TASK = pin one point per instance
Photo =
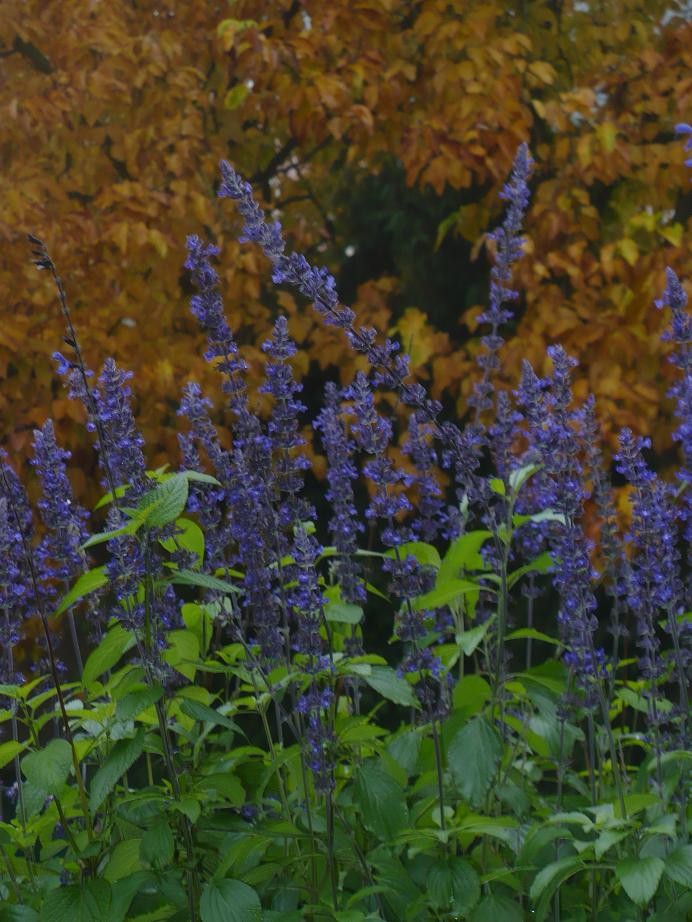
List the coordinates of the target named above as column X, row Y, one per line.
column 541, row 564
column 473, row 755
column 424, row 553
column 470, row 694
column 198, row 477
column 157, row 845
column 381, row 801
column 121, row 757
column 182, row 652
column 678, row 866
column 204, row 580
column 201, row 712
column 497, row 485
column 198, row 620
column 445, row 593
column 518, row 478
column 405, row 749
column 164, row 504
column 18, row 914
column 116, row 642
column 124, row 860
column 89, row 903
column 496, row 908
column 453, row 886
column 640, row 878
column 88, row 582
column 229, row 901
column 391, row 686
column 48, row 769
column 463, row 554
column 189, row 536
column 344, row 613
column 133, row 703
column 129, row 529
column 469, row 640
column 9, row 750
column 549, row 878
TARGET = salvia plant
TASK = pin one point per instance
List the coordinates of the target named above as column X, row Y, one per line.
column 442, row 680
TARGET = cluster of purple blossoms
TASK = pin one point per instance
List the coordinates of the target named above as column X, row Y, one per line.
column 344, row 525
column 555, row 431
column 283, row 427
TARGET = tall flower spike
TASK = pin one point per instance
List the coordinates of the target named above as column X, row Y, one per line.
column 122, row 441
column 14, row 591
column 341, row 473
column 680, row 333
column 283, row 425
column 510, row 245
column 431, row 515
column 59, row 555
column 654, row 585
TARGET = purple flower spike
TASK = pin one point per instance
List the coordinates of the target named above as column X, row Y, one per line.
column 686, row 130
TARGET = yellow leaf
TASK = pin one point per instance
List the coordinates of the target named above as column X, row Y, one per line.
column 543, row 71
column 672, row 234
column 607, row 135
column 628, row 249
column 236, row 96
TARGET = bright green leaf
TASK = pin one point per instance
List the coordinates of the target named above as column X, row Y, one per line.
column 121, row 757
column 473, row 756
column 229, row 901
column 48, row 769
column 639, row 878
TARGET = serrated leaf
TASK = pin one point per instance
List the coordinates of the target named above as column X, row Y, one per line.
column 204, row 580
column 122, row 756
column 497, row 908
column 157, row 845
column 164, row 504
column 678, row 866
column 116, row 642
column 453, row 886
column 445, row 593
column 89, row 903
column 229, row 901
column 133, row 703
column 344, row 613
column 640, row 878
column 9, row 750
column 473, row 756
column 463, row 554
column 382, row 802
column 88, row 582
column 394, row 688
column 47, row 769
column 189, row 536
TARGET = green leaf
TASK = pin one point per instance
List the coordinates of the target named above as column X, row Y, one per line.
column 679, row 866
column 198, row 620
column 9, row 750
column 381, row 801
column 116, row 642
column 157, row 844
column 124, row 860
column 164, row 504
column 133, row 703
column 201, row 712
column 90, row 903
column 121, row 757
column 519, row 477
column 391, row 686
column 497, row 485
column 640, row 878
column 48, row 769
column 470, row 694
column 541, row 564
column 204, row 580
column 473, row 755
column 549, row 878
column 469, row 640
column 229, row 901
column 344, row 613
column 463, row 554
column 198, row 477
column 18, row 914
column 88, row 582
column 182, row 652
column 189, row 536
column 424, row 553
column 530, row 633
column 453, row 886
column 496, row 908
column 108, row 498
column 103, row 536
column 445, row 593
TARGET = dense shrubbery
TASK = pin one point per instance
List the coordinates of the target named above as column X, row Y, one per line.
column 229, row 749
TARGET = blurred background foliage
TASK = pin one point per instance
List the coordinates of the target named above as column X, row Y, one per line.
column 379, row 132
